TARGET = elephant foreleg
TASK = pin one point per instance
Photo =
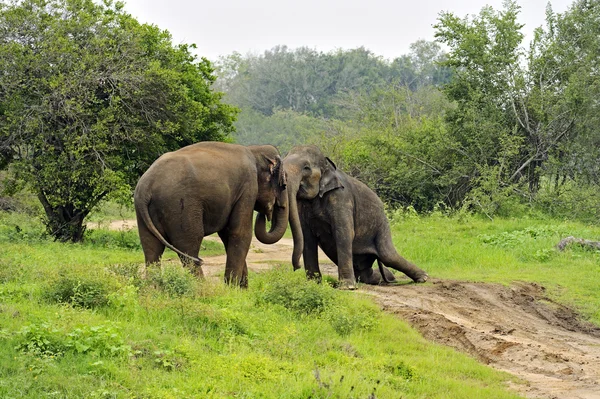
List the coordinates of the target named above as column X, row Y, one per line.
column 310, row 253
column 343, row 235
column 238, row 237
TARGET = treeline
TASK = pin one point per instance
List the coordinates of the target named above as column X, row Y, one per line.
column 490, row 125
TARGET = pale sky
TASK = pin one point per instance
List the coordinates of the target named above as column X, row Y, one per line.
column 386, row 27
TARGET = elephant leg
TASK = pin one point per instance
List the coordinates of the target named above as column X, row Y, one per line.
column 343, row 235
column 187, row 237
column 310, row 253
column 238, row 236
column 152, row 247
column 390, row 257
column 225, row 239
column 367, row 274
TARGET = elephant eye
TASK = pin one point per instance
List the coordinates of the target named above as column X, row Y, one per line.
column 306, row 167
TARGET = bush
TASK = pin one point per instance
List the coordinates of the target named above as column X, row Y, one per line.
column 175, row 280
column 47, row 341
column 88, row 294
column 127, row 239
column 294, row 292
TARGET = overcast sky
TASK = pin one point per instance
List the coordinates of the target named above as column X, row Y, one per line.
column 386, row 27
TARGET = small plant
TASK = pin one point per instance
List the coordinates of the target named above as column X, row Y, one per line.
column 103, row 340
column 40, row 340
column 126, row 239
column 169, row 359
column 88, row 294
column 47, row 341
column 173, row 279
column 294, row 292
column 345, row 320
column 402, row 370
column 544, row 255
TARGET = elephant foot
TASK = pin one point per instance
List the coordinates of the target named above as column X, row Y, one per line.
column 197, row 269
column 421, row 278
column 347, row 285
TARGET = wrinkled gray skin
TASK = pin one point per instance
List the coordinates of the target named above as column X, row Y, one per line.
column 338, row 213
column 211, row 187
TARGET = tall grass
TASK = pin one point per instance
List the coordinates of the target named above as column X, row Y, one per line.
column 503, row 251
column 77, row 322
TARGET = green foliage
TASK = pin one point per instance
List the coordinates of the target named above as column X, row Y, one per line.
column 126, row 239
column 173, row 279
column 95, row 110
column 49, row 342
column 509, row 239
column 300, row 295
column 84, row 293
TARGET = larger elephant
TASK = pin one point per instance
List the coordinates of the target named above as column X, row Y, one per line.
column 211, row 187
column 340, row 214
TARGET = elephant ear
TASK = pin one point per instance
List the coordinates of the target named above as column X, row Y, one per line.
column 330, row 179
column 277, row 174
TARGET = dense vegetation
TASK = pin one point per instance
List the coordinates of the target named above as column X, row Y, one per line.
column 82, row 325
column 89, row 98
column 488, row 126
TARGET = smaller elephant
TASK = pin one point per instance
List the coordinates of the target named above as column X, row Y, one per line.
column 340, row 214
column 211, row 187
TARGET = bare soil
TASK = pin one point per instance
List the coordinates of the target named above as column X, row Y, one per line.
column 516, row 328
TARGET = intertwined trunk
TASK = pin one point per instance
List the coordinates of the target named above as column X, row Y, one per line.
column 278, row 226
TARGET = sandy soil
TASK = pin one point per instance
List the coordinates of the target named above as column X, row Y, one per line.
column 517, row 329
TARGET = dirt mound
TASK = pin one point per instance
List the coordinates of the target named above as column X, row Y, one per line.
column 517, row 329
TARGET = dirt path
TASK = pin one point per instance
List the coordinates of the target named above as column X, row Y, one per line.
column 516, row 329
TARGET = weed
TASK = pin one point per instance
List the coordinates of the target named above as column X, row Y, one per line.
column 41, row 340
column 345, row 320
column 126, row 239
column 47, row 341
column 173, row 279
column 88, row 294
column 401, row 369
column 169, row 360
column 297, row 293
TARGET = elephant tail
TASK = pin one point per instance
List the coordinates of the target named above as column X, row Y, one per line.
column 142, row 209
column 382, row 271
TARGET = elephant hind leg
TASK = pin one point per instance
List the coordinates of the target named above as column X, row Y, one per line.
column 151, row 246
column 188, row 239
column 365, row 273
column 390, row 257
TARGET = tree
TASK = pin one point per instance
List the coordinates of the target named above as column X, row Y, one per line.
column 89, row 98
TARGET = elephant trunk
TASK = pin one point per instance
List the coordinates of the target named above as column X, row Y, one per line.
column 278, row 225
column 292, row 188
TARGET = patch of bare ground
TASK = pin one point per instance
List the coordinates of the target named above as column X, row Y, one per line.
column 516, row 329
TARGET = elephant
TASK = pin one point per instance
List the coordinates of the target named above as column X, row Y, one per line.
column 211, row 187
column 342, row 216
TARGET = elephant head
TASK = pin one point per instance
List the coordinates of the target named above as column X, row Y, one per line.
column 310, row 174
column 272, row 199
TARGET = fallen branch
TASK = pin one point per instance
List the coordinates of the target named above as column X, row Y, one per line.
column 584, row 243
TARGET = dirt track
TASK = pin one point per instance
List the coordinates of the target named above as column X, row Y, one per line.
column 516, row 329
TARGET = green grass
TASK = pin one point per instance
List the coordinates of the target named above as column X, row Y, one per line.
column 506, row 250
column 77, row 322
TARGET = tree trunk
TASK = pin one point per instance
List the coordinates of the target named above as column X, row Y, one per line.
column 64, row 222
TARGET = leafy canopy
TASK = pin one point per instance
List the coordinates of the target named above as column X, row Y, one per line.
column 89, row 97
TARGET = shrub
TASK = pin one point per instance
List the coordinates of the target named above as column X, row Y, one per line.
column 294, row 292
column 173, row 279
column 127, row 239
column 47, row 341
column 345, row 319
column 88, row 294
